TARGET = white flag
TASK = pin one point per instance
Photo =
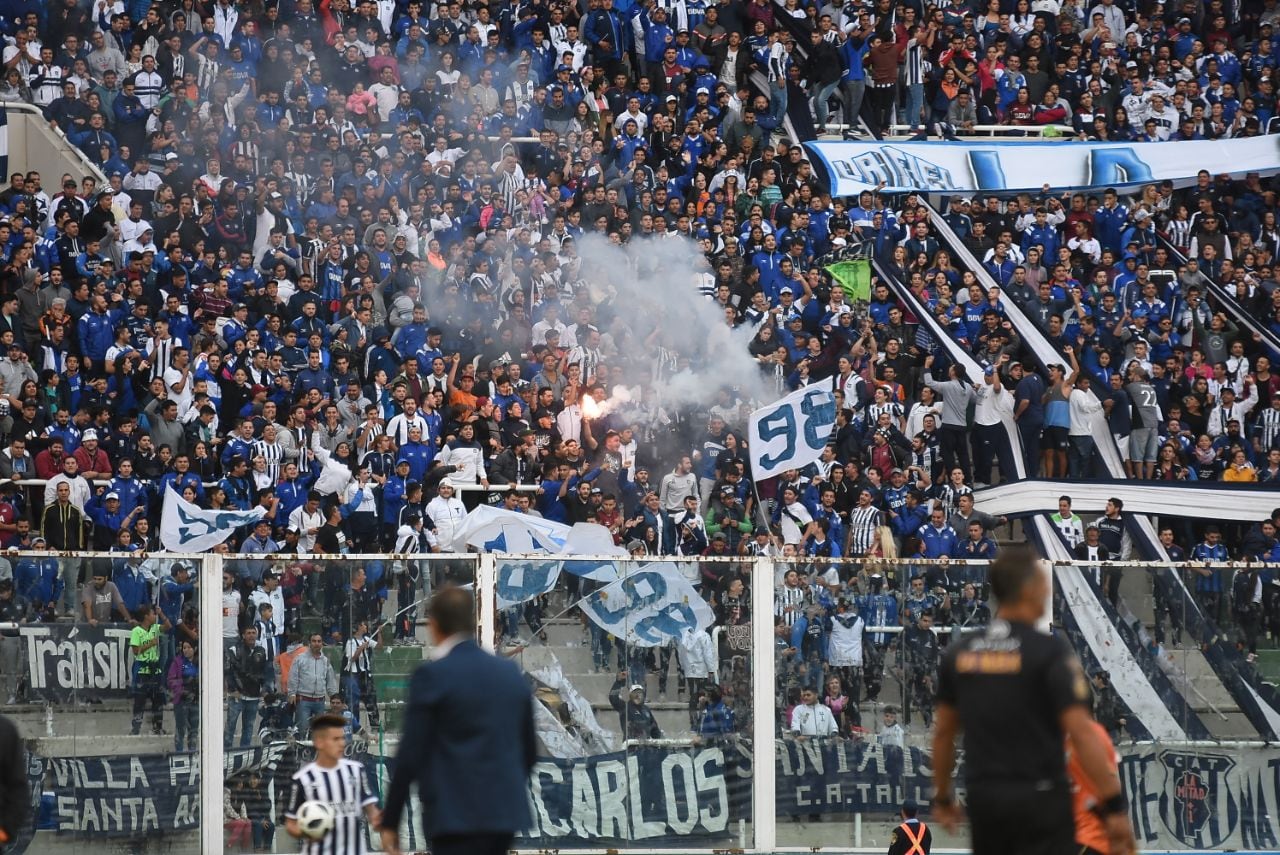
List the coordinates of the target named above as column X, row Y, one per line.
column 791, row 433
column 185, row 527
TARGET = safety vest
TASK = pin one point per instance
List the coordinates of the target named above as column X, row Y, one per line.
column 916, row 840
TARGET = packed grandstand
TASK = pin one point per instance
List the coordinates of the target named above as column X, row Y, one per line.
column 368, row 266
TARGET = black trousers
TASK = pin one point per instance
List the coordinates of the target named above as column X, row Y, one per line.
column 955, row 451
column 990, row 443
column 1018, row 819
column 881, row 99
column 1030, row 436
column 472, row 844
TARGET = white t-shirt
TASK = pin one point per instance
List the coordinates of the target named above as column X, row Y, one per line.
column 815, row 720
column 230, row 614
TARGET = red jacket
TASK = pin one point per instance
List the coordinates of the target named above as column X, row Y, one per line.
column 97, row 462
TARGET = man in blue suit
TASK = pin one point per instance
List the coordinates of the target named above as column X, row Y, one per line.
column 468, row 742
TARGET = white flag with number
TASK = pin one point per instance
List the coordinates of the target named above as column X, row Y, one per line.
column 185, row 527
column 791, row 433
column 649, row 607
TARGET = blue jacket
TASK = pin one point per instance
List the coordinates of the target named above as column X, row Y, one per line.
column 656, row 39
column 852, row 53
column 1046, row 237
column 170, row 599
column 878, row 610
column 38, row 580
column 468, row 744
column 605, row 25
column 1109, row 225
column 132, row 585
column 393, row 498
column 179, row 482
column 909, row 520
column 419, row 455
column 936, row 542
column 97, row 333
column 131, row 491
column 238, row 492
column 292, row 495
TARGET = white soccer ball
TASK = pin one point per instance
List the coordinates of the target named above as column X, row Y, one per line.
column 315, row 819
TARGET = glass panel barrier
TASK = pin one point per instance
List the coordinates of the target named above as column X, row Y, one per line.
column 1200, row 635
column 352, row 633
column 860, row 642
column 1203, row 637
column 669, row 765
column 643, row 674
column 100, row 671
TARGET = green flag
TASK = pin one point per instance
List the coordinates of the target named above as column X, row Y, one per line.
column 854, row 276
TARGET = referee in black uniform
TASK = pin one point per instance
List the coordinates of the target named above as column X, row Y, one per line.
column 1017, row 693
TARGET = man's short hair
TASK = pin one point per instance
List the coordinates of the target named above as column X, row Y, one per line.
column 453, row 611
column 327, row 721
column 1012, row 571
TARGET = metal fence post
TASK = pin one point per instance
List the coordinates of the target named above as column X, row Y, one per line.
column 764, row 814
column 212, row 719
column 486, row 586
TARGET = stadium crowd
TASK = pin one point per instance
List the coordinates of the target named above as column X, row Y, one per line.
column 335, row 272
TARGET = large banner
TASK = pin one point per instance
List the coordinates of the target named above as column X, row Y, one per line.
column 66, row 660
column 647, row 794
column 138, row 796
column 1181, row 798
column 1203, row 798
column 967, row 167
column 793, row 432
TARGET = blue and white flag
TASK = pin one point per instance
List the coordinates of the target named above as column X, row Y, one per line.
column 650, row 607
column 791, row 433
column 592, row 539
column 185, row 527
column 519, row 579
column 485, row 521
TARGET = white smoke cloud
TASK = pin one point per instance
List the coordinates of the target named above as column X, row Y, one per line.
column 654, row 288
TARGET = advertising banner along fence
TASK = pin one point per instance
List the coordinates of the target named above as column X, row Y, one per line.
column 139, row 796
column 966, row 167
column 1182, row 797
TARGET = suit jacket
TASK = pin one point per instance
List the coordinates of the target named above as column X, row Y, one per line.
column 469, row 744
column 14, row 801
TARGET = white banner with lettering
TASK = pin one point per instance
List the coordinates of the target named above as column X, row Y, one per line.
column 989, row 166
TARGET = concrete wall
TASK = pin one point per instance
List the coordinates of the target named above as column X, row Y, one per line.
column 34, row 144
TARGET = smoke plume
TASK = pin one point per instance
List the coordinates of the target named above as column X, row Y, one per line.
column 673, row 332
